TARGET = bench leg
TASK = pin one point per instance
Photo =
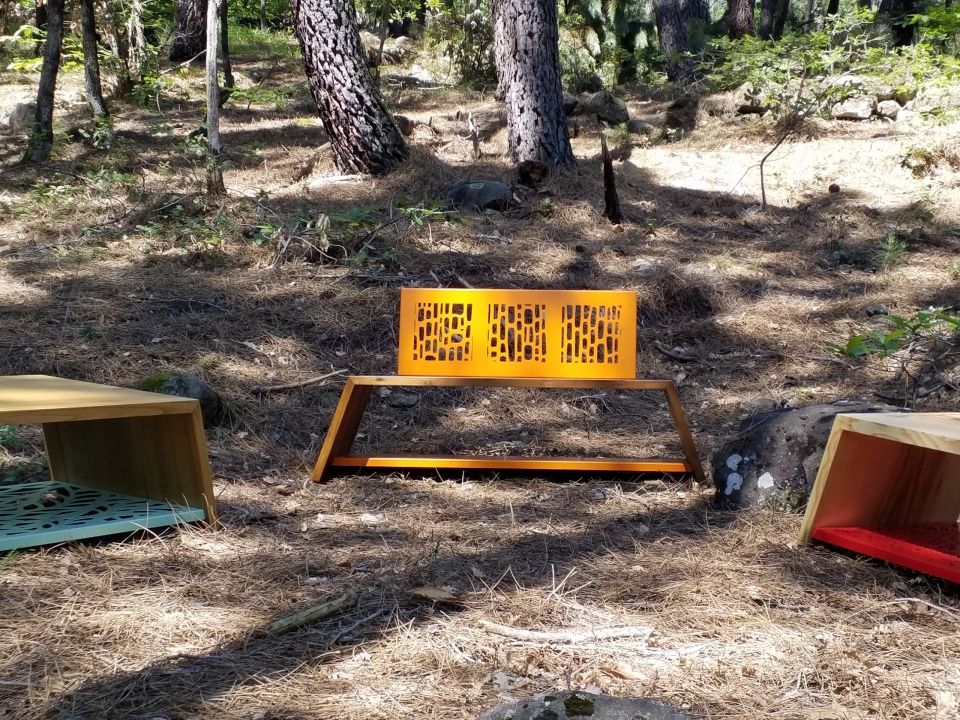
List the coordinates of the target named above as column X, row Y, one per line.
column 343, row 427
column 683, row 430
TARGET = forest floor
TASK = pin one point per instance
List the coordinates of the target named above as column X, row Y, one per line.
column 114, row 266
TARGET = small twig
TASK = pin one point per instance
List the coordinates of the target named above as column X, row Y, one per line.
column 569, row 636
column 260, row 389
column 312, row 614
column 661, row 348
column 350, row 628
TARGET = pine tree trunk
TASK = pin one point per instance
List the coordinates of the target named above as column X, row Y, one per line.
column 501, row 55
column 228, row 81
column 536, row 121
column 41, row 139
column 215, row 184
column 190, row 30
column 672, row 30
column 740, row 19
column 780, row 18
column 91, row 61
column 768, row 13
column 363, row 135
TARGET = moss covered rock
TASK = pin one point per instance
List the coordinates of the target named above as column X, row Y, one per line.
column 173, row 382
column 583, row 705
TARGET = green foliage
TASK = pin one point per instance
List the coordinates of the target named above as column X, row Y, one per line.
column 924, row 326
column 462, row 31
column 888, row 251
column 262, row 44
column 10, row 438
column 955, row 271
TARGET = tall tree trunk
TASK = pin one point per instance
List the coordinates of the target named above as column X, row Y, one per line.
column 263, row 16
column 833, row 7
column 780, row 18
column 501, row 55
column 228, row 81
column 136, row 40
column 189, row 31
column 674, row 42
column 214, row 144
column 536, row 121
column 897, row 11
column 739, row 19
column 768, row 12
column 40, row 22
column 91, row 61
column 363, row 135
column 41, row 139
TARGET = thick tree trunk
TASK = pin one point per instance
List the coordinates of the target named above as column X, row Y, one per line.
column 91, row 62
column 739, row 19
column 536, row 121
column 674, row 42
column 189, row 30
column 363, row 135
column 214, row 144
column 768, row 14
column 41, row 139
column 833, row 7
column 780, row 18
column 501, row 55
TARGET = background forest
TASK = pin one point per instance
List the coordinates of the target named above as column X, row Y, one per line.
column 787, row 209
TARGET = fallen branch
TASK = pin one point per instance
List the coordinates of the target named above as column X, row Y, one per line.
column 673, row 355
column 312, row 614
column 259, row 389
column 569, row 636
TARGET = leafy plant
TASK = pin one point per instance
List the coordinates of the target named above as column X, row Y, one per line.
column 888, row 251
column 925, row 325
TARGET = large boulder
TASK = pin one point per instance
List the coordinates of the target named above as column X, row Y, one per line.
column 171, row 382
column 18, row 116
column 480, row 195
column 773, row 461
column 570, row 705
column 888, row 109
column 608, row 107
column 856, row 108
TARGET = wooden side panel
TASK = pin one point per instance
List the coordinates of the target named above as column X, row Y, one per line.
column 158, row 457
column 518, row 333
column 683, row 430
column 868, row 481
column 343, row 426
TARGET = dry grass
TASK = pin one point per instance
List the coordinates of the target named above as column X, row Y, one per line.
column 99, row 281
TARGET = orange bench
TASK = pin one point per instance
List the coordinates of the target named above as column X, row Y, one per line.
column 509, row 338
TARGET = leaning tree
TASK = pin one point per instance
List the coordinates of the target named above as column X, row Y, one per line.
column 526, row 45
column 364, row 136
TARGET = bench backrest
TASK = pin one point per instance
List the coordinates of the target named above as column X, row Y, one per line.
column 518, row 333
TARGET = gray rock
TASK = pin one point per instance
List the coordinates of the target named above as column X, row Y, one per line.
column 876, row 309
column 640, row 127
column 214, row 408
column 568, row 705
column 571, row 104
column 480, row 195
column 643, row 265
column 758, row 404
column 888, row 109
column 18, row 116
column 773, row 461
column 662, row 119
column 591, row 83
column 858, row 108
column 403, row 399
column 607, row 107
column 905, row 94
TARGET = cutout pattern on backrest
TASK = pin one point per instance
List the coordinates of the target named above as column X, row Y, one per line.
column 518, row 333
column 591, row 333
column 442, row 332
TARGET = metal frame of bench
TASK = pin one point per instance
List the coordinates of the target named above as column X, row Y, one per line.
column 509, row 338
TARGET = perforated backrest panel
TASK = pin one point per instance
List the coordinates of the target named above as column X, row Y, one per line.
column 518, row 333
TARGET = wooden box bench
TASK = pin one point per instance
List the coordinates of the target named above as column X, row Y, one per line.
column 509, row 338
column 120, row 460
column 889, row 487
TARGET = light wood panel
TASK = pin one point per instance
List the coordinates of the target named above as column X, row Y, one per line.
column 40, row 399
column 512, row 462
column 887, row 469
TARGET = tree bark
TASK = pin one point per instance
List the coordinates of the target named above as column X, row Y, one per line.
column 215, row 184
column 536, row 121
column 189, row 31
column 768, row 13
column 611, row 200
column 41, row 139
column 671, row 16
column 739, row 19
column 91, row 61
column 780, row 18
column 501, row 55
column 263, row 16
column 833, row 7
column 228, row 81
column 363, row 135
column 897, row 11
